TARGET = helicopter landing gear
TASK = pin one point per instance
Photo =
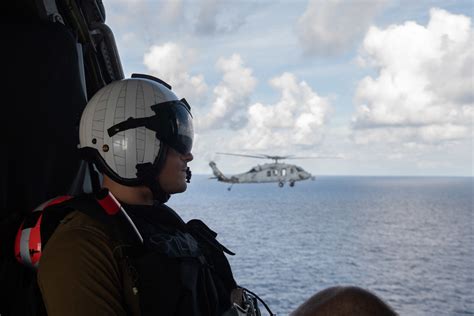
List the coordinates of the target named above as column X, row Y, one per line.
column 292, row 183
column 280, row 184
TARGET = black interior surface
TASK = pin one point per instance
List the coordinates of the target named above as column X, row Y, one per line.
column 53, row 62
column 42, row 114
column 56, row 55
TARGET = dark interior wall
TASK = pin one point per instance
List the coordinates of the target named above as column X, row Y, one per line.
column 42, row 99
column 40, row 118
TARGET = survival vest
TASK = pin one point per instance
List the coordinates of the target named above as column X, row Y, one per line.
column 184, row 257
column 182, row 269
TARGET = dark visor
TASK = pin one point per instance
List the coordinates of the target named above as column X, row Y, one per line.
column 172, row 123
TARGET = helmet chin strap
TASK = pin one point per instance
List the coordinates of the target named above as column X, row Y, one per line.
column 150, row 172
column 152, row 179
column 147, row 172
column 88, row 180
column 158, row 193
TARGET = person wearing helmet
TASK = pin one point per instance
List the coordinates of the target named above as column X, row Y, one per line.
column 128, row 128
column 138, row 134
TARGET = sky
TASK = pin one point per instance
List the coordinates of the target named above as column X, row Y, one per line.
column 368, row 87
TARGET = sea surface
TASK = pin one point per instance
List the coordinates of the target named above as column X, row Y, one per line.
column 409, row 240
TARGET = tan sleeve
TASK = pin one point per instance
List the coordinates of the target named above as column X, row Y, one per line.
column 78, row 274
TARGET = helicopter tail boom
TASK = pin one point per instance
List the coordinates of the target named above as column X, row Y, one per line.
column 217, row 173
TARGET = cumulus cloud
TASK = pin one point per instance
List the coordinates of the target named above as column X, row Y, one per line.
column 216, row 16
column 231, row 95
column 298, row 118
column 170, row 62
column 164, row 11
column 135, row 26
column 424, row 89
column 329, row 27
column 172, row 11
column 206, row 20
column 130, row 3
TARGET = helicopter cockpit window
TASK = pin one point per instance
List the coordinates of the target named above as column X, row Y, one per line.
column 269, row 173
column 253, row 170
column 298, row 169
column 283, row 172
column 275, row 172
column 292, row 170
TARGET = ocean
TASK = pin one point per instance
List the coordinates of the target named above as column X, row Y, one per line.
column 410, row 240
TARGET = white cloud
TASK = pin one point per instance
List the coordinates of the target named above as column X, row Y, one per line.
column 173, row 10
column 411, row 136
column 139, row 11
column 130, row 3
column 216, row 16
column 170, row 62
column 298, row 118
column 424, row 89
column 329, row 27
column 207, row 16
column 231, row 95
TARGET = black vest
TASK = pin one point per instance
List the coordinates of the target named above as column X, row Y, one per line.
column 180, row 268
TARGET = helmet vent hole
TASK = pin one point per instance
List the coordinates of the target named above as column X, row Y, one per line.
column 105, row 148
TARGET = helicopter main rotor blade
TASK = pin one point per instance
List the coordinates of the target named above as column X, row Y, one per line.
column 263, row 156
column 319, row 157
column 242, row 155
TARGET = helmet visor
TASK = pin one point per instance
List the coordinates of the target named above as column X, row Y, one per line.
column 182, row 140
column 172, row 123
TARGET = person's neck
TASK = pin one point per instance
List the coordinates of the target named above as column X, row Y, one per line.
column 133, row 195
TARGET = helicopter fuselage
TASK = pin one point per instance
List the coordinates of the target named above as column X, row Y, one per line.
column 269, row 172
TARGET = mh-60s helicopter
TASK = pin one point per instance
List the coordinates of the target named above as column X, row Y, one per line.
column 269, row 172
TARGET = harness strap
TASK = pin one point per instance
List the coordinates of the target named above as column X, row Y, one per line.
column 106, row 209
column 102, row 206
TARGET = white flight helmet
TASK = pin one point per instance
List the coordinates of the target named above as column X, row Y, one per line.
column 125, row 124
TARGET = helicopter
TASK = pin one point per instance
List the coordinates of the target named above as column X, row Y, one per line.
column 267, row 173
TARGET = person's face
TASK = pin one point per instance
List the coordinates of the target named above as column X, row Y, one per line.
column 172, row 177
